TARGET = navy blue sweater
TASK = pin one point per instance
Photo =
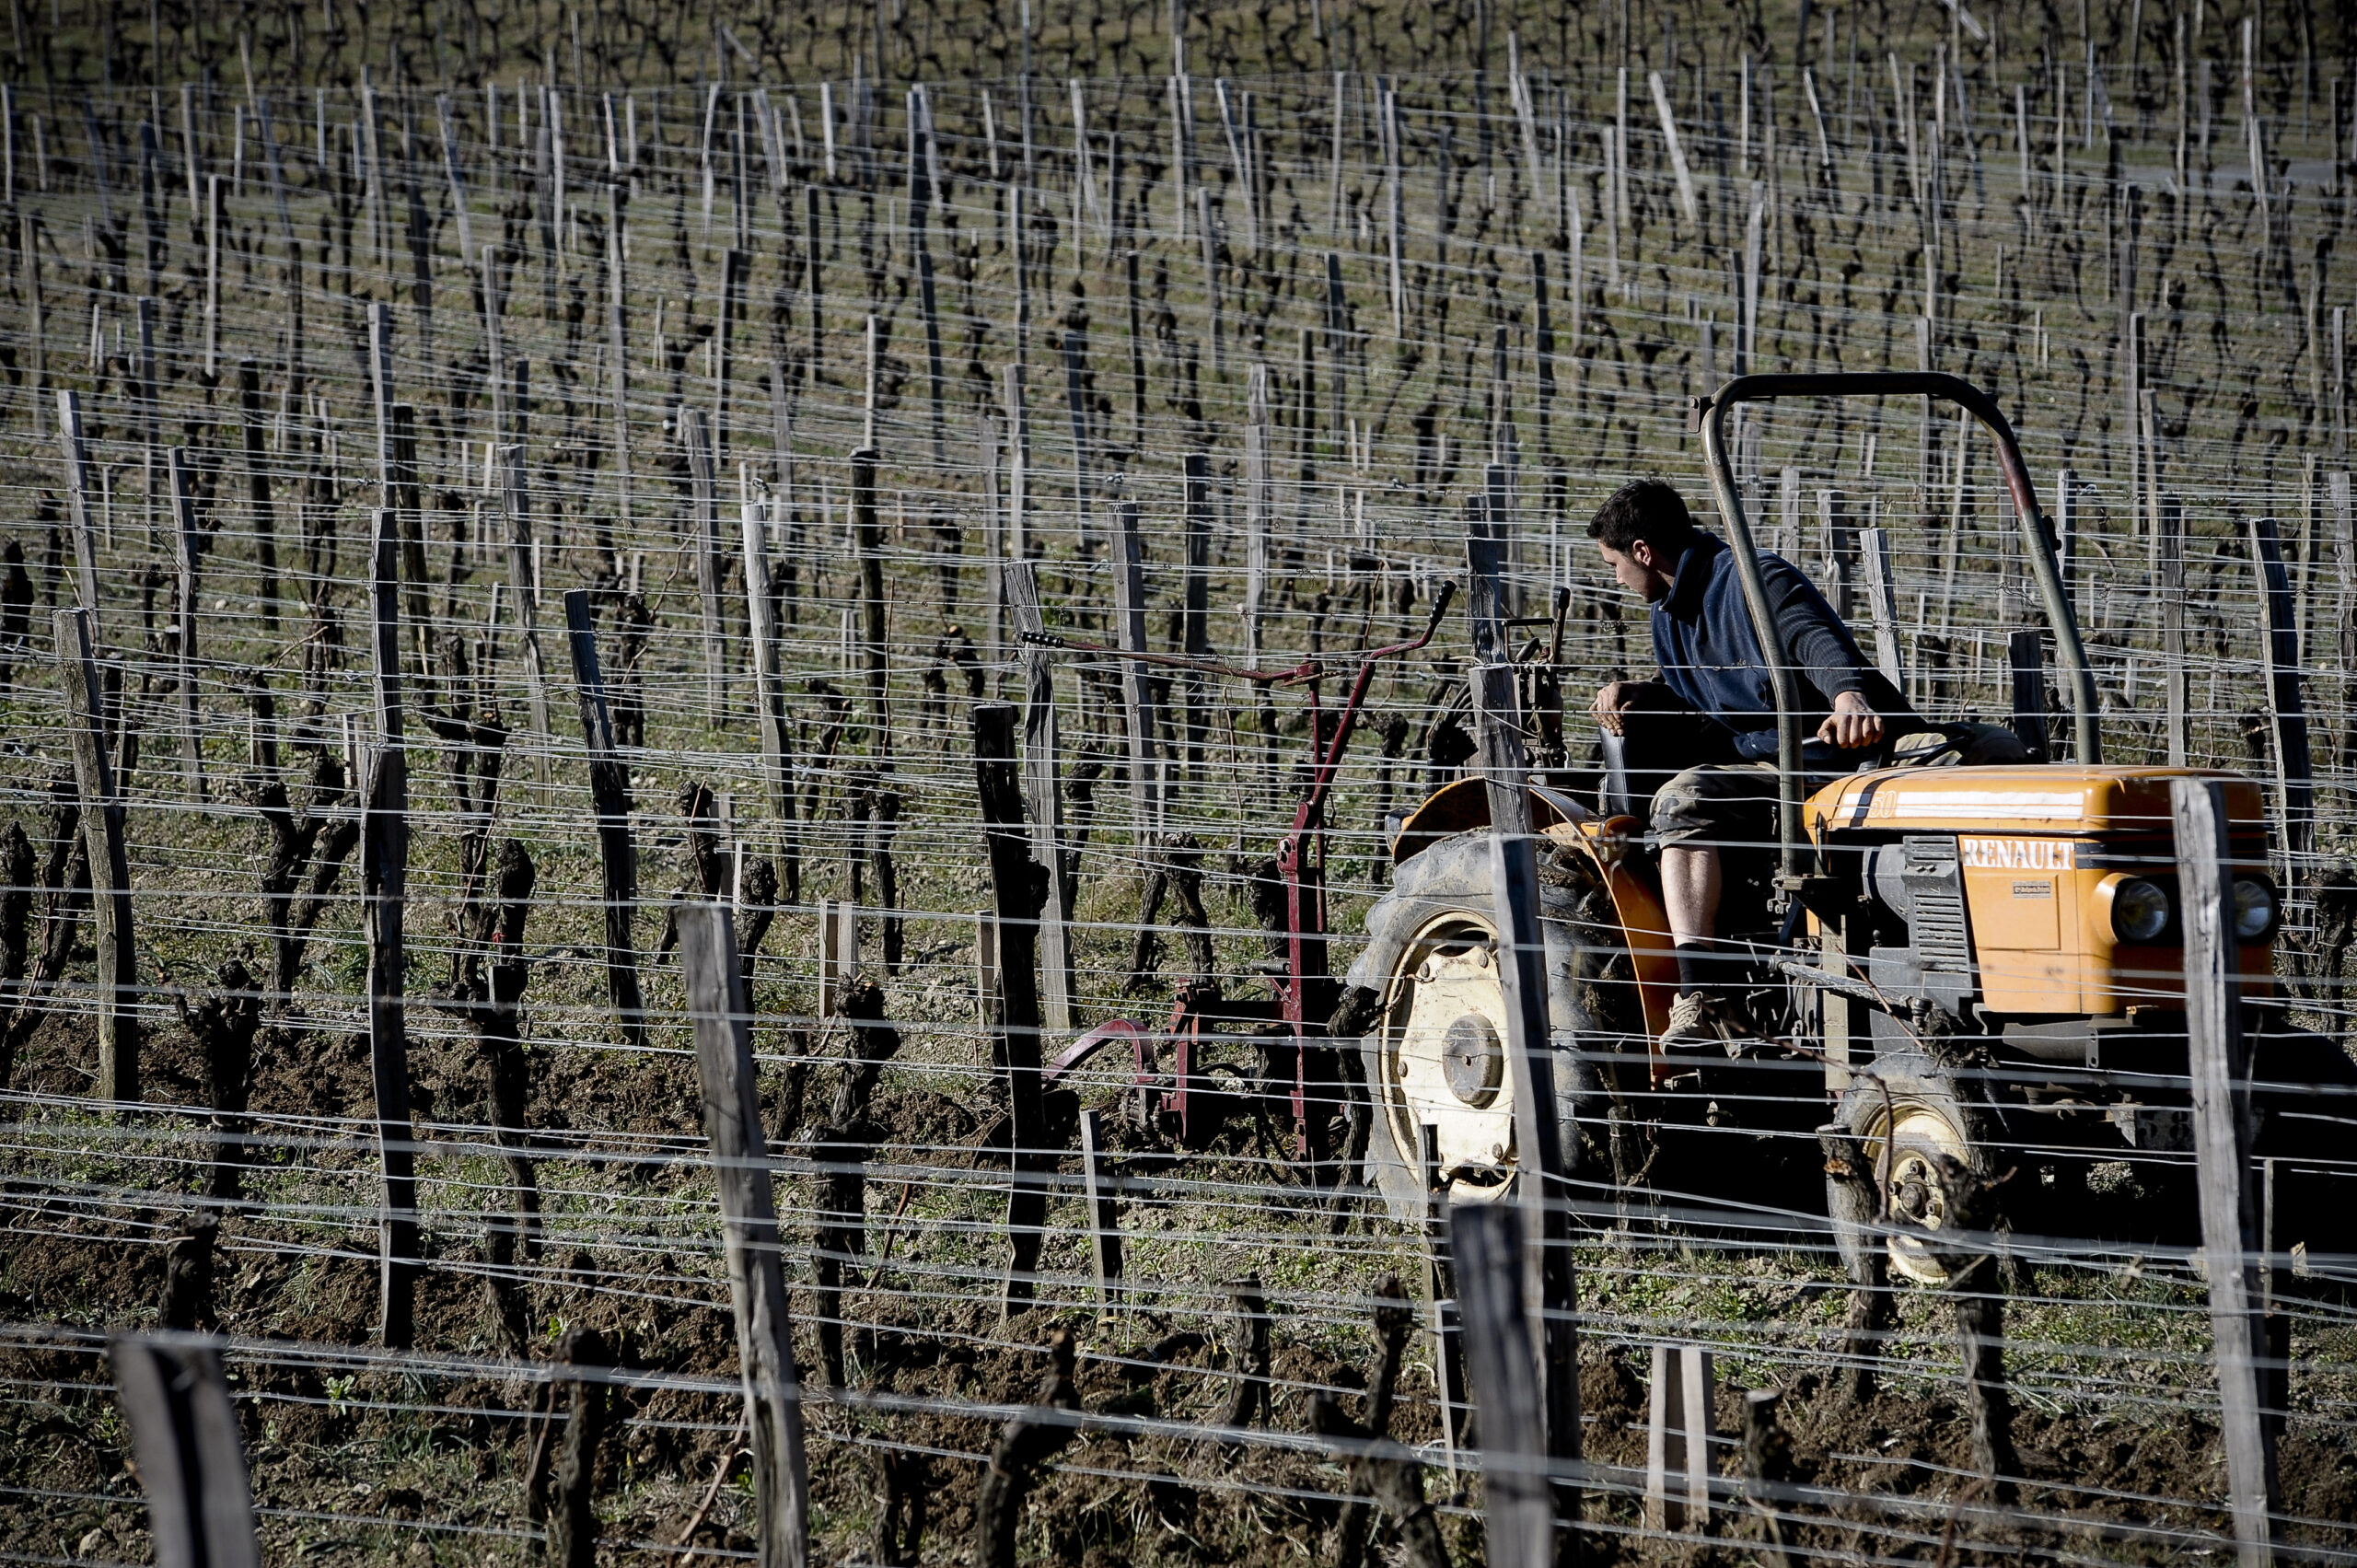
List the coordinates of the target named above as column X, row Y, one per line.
column 1709, row 656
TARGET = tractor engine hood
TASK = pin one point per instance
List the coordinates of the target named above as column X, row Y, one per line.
column 2020, row 802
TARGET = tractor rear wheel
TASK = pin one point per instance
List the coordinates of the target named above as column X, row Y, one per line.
column 1907, row 1112
column 1427, row 991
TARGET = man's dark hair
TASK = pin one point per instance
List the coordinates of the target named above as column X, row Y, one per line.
column 1648, row 509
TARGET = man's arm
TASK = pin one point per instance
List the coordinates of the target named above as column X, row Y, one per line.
column 1815, row 639
column 1813, row 636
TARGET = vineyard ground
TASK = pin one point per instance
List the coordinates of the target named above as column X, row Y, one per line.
column 370, row 1438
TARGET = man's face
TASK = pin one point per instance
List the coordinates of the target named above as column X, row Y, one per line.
column 1638, row 569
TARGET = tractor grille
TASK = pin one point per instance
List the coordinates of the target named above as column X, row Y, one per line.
column 1936, row 900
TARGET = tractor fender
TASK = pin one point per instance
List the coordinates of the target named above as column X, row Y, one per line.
column 1463, row 806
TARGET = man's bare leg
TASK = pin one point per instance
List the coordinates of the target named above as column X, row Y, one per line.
column 1689, row 888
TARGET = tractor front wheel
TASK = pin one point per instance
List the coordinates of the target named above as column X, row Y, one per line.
column 1906, row 1114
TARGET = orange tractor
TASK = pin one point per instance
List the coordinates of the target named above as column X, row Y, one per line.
column 1959, row 951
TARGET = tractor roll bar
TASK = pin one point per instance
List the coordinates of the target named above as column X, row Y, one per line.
column 1708, row 416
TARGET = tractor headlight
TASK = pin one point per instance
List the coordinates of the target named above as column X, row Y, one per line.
column 2255, row 908
column 2140, row 910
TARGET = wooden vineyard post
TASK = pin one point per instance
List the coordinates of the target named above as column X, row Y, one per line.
column 1485, row 591
column 1486, row 1243
column 837, row 953
column 188, row 546
column 768, row 689
column 1678, row 1430
column 732, row 1120
column 262, row 512
column 184, row 1434
column 1259, row 513
column 384, row 871
column 2220, row 1069
column 1043, row 792
column 77, row 507
column 2026, row 658
column 1834, row 548
column 867, row 538
column 1020, row 890
column 994, row 561
column 524, row 590
column 1128, row 591
column 2174, row 675
column 617, row 346
column 1104, row 1219
column 1767, row 1466
column 102, row 825
column 1542, row 1193
column 1196, row 607
column 610, row 797
column 1445, row 1315
column 703, row 512
column 1883, row 600
column 2286, row 710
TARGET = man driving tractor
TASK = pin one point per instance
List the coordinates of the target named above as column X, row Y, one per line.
column 1708, row 725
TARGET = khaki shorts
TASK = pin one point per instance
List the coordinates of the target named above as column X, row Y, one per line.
column 1725, row 805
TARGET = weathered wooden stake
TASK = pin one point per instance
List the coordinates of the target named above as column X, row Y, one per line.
column 837, row 953
column 1104, row 1218
column 1444, row 1319
column 1129, row 590
column 1882, row 597
column 2220, row 1064
column 2286, row 708
column 525, row 593
column 1487, row 1243
column 102, row 825
column 867, row 538
column 732, row 1120
column 777, row 748
column 384, row 869
column 610, row 797
column 2174, row 674
column 1541, row 1190
column 77, row 507
column 1679, row 1426
column 1043, row 792
column 704, row 483
column 1021, row 888
column 184, row 1433
column 187, row 553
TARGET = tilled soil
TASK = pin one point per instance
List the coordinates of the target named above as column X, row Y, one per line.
column 358, row 1456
